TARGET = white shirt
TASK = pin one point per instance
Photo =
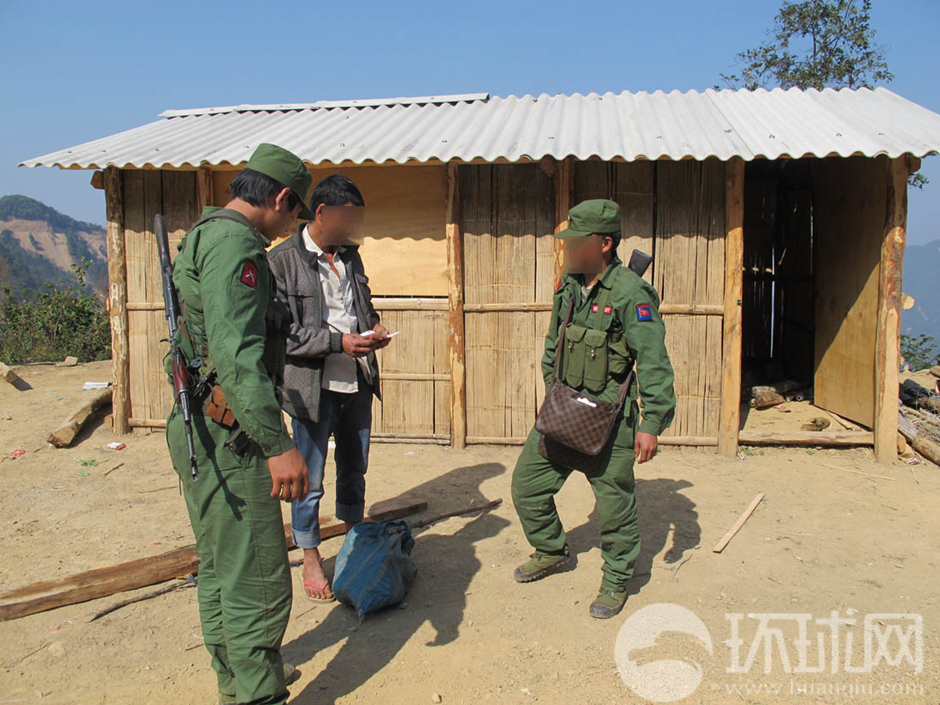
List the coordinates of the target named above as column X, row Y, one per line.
column 339, row 315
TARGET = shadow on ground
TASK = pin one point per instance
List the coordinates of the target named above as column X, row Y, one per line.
column 446, row 566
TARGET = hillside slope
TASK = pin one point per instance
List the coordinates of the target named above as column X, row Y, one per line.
column 39, row 245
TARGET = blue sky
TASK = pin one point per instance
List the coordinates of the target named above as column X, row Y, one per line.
column 73, row 71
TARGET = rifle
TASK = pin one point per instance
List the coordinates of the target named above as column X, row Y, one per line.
column 640, row 262
column 171, row 309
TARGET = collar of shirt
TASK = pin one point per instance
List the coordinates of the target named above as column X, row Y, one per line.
column 606, row 279
column 313, row 247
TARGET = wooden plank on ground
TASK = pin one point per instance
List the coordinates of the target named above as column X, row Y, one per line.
column 63, row 436
column 102, row 582
column 817, row 439
column 925, row 447
column 720, row 546
column 13, row 378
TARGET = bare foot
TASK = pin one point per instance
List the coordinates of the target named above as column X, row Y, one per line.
column 316, row 585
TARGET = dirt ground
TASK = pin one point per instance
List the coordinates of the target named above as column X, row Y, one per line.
column 836, row 532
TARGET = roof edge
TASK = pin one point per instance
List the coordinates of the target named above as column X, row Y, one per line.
column 330, row 105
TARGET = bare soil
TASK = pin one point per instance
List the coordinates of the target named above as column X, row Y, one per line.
column 835, row 532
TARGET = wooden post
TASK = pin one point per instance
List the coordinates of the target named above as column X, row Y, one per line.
column 564, row 196
column 203, row 189
column 117, row 280
column 455, row 296
column 734, row 290
column 889, row 313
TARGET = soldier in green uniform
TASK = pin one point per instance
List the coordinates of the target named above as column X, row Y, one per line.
column 246, row 460
column 615, row 324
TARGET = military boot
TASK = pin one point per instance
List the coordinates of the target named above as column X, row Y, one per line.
column 539, row 565
column 291, row 674
column 608, row 603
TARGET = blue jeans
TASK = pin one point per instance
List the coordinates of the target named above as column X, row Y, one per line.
column 348, row 418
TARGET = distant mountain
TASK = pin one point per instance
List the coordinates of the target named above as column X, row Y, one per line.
column 922, row 281
column 38, row 246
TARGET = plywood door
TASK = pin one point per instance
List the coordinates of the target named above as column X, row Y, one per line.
column 850, row 214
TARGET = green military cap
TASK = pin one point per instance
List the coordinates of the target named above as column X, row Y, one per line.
column 590, row 217
column 285, row 168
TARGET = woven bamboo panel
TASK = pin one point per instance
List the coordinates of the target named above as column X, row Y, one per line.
column 507, row 218
column 147, row 193
column 631, row 186
column 690, row 254
column 418, row 406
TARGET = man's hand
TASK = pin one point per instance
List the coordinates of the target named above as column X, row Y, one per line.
column 289, row 478
column 644, row 448
column 355, row 345
column 381, row 336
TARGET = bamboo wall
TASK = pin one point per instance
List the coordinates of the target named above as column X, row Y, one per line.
column 467, row 365
column 405, row 249
column 507, row 215
column 414, row 374
column 146, row 193
column 676, row 212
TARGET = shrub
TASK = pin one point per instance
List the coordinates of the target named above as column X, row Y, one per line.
column 50, row 325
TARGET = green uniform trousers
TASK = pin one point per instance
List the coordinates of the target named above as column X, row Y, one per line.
column 536, row 481
column 244, row 574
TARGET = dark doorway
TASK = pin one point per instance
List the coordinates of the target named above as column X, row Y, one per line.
column 779, row 277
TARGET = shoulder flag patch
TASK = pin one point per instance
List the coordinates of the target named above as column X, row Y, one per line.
column 643, row 312
column 250, row 275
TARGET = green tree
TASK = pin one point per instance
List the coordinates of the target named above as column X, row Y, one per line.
column 919, row 351
column 817, row 44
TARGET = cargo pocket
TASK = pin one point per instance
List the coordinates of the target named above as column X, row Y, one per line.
column 573, row 372
column 619, row 361
column 595, row 360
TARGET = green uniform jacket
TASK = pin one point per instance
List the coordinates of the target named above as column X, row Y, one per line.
column 224, row 283
column 595, row 362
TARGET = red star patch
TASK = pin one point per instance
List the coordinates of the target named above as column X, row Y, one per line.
column 250, row 275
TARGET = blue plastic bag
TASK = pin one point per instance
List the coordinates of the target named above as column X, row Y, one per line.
column 374, row 567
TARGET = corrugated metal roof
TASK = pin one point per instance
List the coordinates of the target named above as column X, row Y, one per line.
column 629, row 126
